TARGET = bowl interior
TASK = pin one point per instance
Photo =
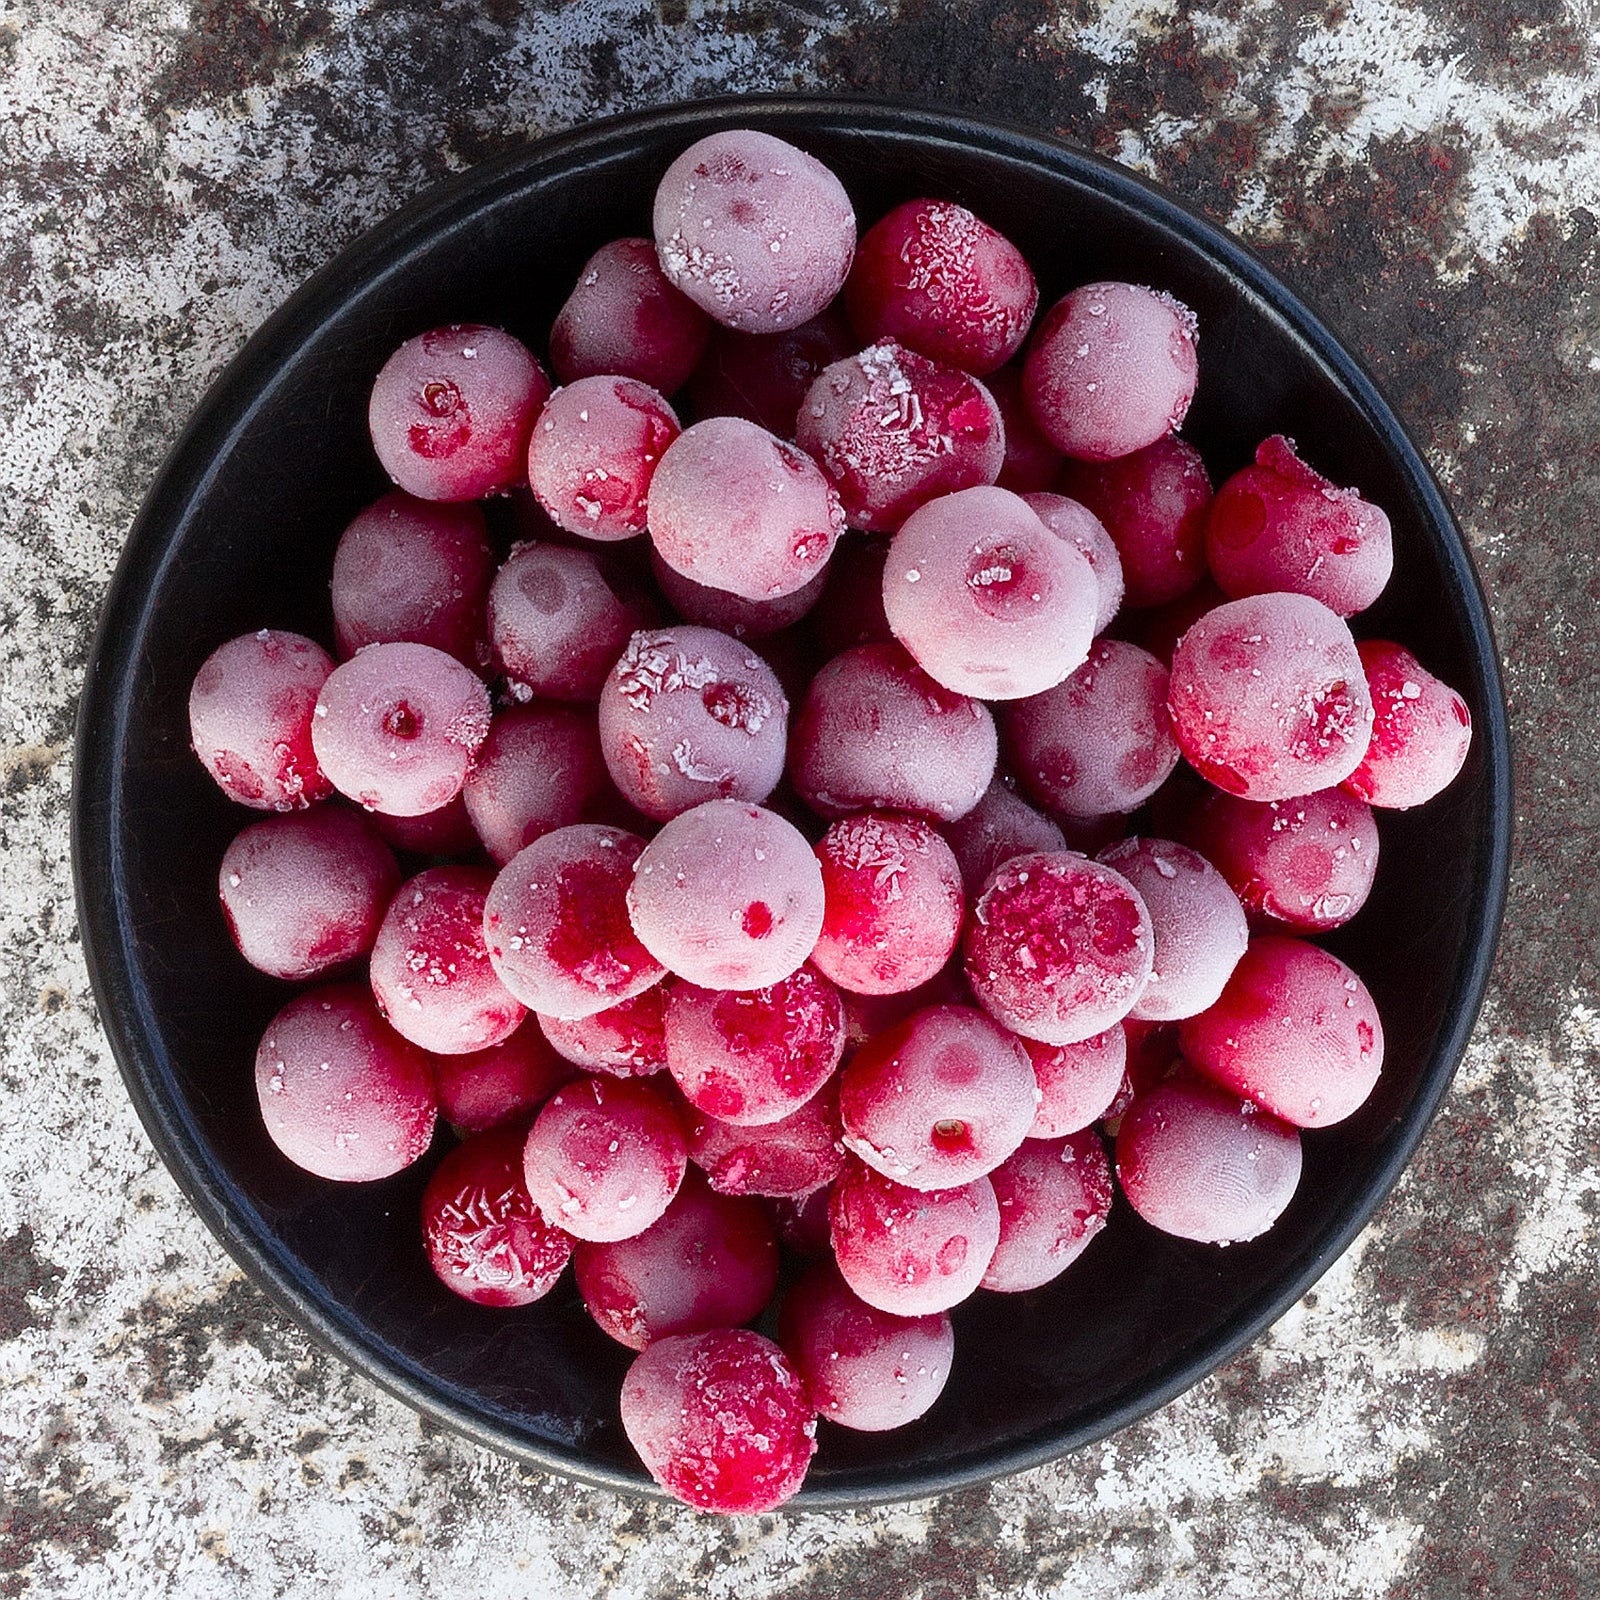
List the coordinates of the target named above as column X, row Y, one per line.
column 238, row 534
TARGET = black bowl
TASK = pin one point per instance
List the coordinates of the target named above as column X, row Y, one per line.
column 237, row 533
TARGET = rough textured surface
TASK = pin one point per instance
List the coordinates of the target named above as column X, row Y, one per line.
column 1423, row 1424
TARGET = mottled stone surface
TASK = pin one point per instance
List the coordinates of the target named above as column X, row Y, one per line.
column 1425, row 1423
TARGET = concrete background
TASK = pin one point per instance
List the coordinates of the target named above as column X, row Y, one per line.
column 1424, row 1424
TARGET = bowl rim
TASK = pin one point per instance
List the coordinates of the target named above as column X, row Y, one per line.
column 226, row 410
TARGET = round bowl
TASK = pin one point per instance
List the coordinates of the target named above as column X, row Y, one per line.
column 237, row 533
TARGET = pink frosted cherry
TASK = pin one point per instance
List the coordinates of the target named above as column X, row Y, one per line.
column 1077, row 1082
column 1111, row 369
column 893, row 903
column 1268, row 697
column 757, row 233
column 557, row 621
column 1295, row 1030
column 732, row 613
column 939, row 1100
column 728, row 895
column 709, row 1261
column 1197, row 1161
column 250, row 714
column 893, row 430
column 396, row 727
column 753, row 1056
column 1280, row 525
column 1000, row 826
column 863, row 1368
column 505, row 1083
column 687, row 715
column 1153, row 503
column 1059, row 947
column 445, row 832
column 539, row 769
column 1054, row 1197
column 452, row 409
column 877, row 733
column 430, row 966
column 342, row 1094
column 556, row 923
column 912, row 1252
column 593, row 452
column 1421, row 730
column 788, row 1159
column 628, row 1040
column 1100, row 742
column 1032, row 461
column 604, row 1157
column 485, row 1238
column 1197, row 922
column 987, row 599
column 720, row 1419
column 943, row 283
column 415, row 572
column 623, row 318
column 737, row 508
column 1086, row 533
column 305, row 892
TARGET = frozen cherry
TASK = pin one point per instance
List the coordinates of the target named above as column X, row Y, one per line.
column 689, row 714
column 709, row 1261
column 737, row 508
column 1086, row 533
column 987, row 599
column 754, row 1056
column 1102, row 741
column 1058, row 947
column 731, row 613
column 502, row 1084
column 1306, row 864
column 1295, row 1031
column 430, row 966
column 728, row 895
column 913, row 1252
column 1268, row 697
column 755, row 232
column 624, row 318
column 594, row 450
column 445, row 832
column 484, row 1237
column 1111, row 369
column 396, row 727
column 1031, row 462
column 627, row 1040
column 1195, row 918
column 1199, row 1162
column 1280, row 525
column 789, row 1159
column 763, row 377
column 411, row 571
column 1000, row 826
column 1153, row 503
column 943, row 283
column 1054, row 1197
column 556, row 923
column 342, row 1094
column 720, row 1419
column 877, row 733
column 557, row 621
column 939, row 1100
column 452, row 410
column 305, row 892
column 863, row 1368
column 604, row 1157
column 892, row 430
column 1421, row 730
column 893, row 903
column 250, row 714
column 539, row 769
column 1077, row 1082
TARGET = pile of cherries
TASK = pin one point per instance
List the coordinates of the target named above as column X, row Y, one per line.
column 806, row 849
